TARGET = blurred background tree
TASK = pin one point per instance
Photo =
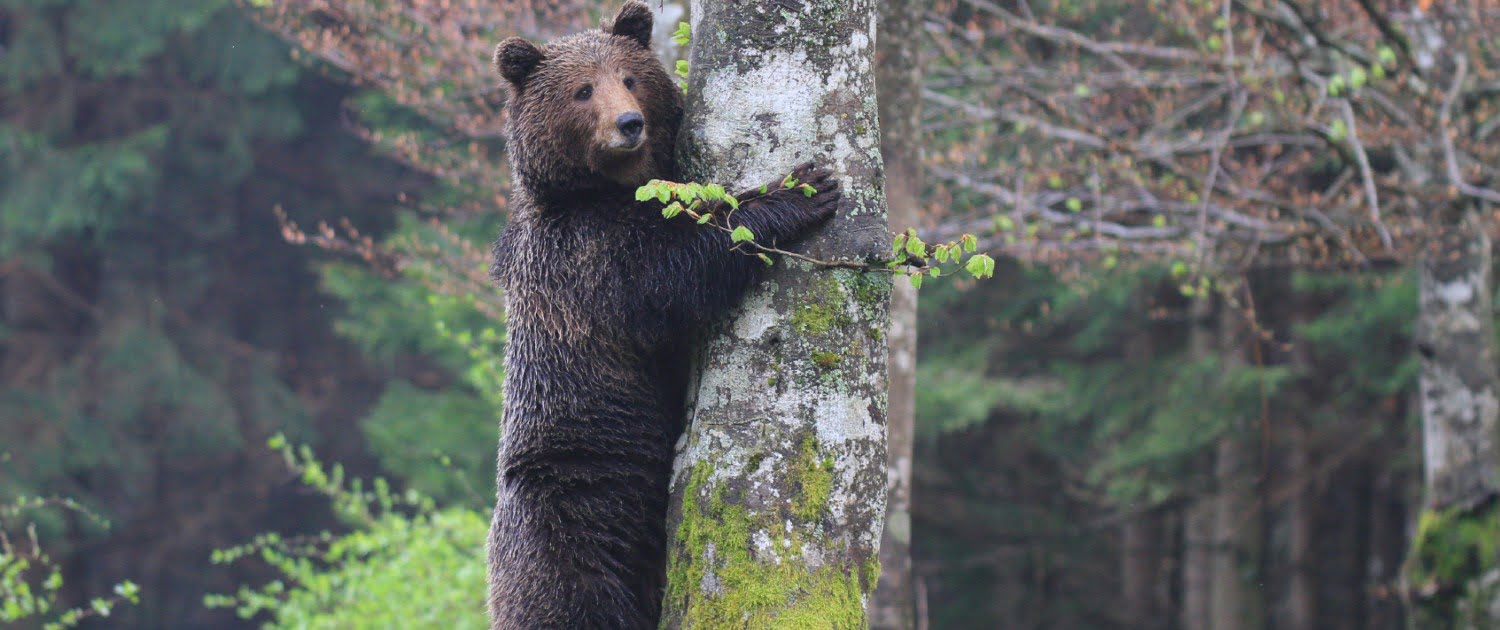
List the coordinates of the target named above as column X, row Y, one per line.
column 1200, row 410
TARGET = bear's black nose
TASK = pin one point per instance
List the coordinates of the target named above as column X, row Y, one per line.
column 631, row 124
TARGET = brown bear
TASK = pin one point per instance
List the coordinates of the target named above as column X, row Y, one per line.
column 604, row 297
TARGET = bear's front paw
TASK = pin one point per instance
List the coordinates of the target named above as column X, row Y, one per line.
column 825, row 198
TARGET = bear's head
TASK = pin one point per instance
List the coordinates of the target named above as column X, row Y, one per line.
column 592, row 111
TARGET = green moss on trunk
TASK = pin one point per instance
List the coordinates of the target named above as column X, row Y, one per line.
column 1453, row 566
column 720, row 578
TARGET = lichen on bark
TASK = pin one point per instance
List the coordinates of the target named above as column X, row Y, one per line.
column 1460, row 393
column 779, row 489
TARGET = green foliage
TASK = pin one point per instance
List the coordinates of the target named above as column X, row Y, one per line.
column 1371, row 321
column 1116, row 391
column 164, row 323
column 55, row 190
column 1453, row 549
column 909, row 253
column 31, row 581
column 407, row 563
column 439, row 437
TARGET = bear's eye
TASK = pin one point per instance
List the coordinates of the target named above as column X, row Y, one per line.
column 630, row 83
column 584, row 93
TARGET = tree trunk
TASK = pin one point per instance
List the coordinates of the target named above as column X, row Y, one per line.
column 1456, row 580
column 1140, row 537
column 1235, row 602
column 1198, row 521
column 1231, row 603
column 779, row 491
column 1301, row 604
column 1140, row 569
column 898, row 80
column 1458, row 381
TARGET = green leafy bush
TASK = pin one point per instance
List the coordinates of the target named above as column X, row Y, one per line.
column 30, row 580
column 407, row 564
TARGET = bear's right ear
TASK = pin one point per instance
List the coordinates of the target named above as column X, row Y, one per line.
column 516, row 59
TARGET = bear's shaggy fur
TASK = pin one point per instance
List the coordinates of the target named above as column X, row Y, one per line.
column 604, row 297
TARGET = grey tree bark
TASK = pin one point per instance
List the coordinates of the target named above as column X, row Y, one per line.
column 779, row 489
column 1458, row 387
column 1453, row 570
column 1460, row 400
column 898, row 79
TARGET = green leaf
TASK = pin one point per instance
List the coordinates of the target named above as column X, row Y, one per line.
column 683, row 34
column 808, row 190
column 1386, row 55
column 129, row 590
column 682, row 68
column 981, row 266
column 1336, row 85
column 734, row 204
column 970, row 243
column 741, row 234
column 765, row 259
column 1074, row 204
column 916, row 280
column 672, row 210
column 647, row 190
column 916, row 247
column 1338, row 131
column 705, row 218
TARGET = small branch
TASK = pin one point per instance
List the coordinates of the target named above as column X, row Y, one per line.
column 1367, row 175
column 1450, row 154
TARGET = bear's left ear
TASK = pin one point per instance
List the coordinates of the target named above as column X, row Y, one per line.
column 634, row 21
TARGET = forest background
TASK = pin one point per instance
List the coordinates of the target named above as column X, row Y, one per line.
column 249, row 356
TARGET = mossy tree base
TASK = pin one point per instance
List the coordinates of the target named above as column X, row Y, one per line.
column 1453, row 572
